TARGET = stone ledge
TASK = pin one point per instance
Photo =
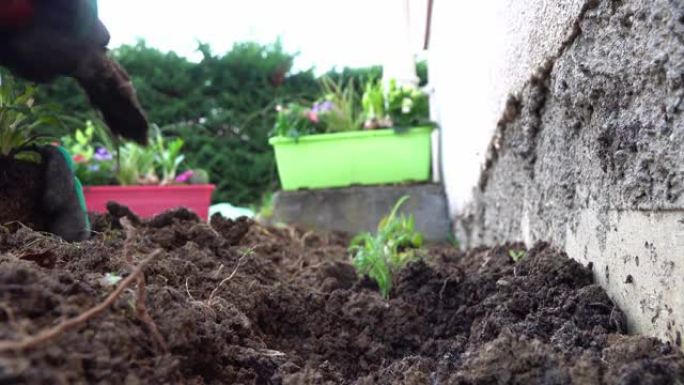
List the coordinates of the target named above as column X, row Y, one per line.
column 356, row 209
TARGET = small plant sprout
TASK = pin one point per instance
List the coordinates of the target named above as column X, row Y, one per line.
column 516, row 255
column 394, row 245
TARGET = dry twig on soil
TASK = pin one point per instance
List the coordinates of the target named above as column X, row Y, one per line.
column 49, row 334
column 237, row 266
column 140, row 300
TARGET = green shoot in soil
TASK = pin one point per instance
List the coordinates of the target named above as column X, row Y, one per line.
column 394, row 245
column 516, row 255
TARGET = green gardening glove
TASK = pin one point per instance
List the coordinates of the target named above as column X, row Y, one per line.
column 63, row 200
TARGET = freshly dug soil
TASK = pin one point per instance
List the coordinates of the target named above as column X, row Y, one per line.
column 21, row 186
column 239, row 303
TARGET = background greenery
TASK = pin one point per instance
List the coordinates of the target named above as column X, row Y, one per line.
column 223, row 106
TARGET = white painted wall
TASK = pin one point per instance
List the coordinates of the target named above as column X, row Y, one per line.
column 399, row 25
column 462, row 56
column 481, row 52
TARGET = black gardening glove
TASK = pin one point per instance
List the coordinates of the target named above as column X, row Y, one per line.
column 63, row 202
column 41, row 40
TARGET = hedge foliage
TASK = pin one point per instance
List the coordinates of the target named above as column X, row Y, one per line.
column 223, row 106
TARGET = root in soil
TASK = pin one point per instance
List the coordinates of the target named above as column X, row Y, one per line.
column 234, row 302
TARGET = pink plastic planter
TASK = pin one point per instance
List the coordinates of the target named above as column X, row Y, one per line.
column 147, row 201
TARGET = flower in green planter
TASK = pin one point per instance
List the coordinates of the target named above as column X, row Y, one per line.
column 394, row 106
column 407, row 106
column 322, row 107
column 343, row 109
column 318, row 109
column 294, row 121
column 313, row 117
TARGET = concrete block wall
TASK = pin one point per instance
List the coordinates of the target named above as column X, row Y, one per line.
column 356, row 209
column 580, row 107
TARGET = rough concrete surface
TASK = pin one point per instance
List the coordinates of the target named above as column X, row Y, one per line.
column 479, row 53
column 590, row 156
column 356, row 209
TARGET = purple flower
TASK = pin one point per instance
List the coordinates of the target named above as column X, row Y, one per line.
column 322, row 107
column 102, row 154
column 185, row 176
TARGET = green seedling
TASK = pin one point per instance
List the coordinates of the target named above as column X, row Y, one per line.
column 382, row 255
column 516, row 255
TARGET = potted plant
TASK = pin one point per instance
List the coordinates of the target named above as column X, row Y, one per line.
column 129, row 174
column 22, row 176
column 383, row 137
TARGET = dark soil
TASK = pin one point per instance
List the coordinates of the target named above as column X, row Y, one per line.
column 294, row 312
column 21, row 186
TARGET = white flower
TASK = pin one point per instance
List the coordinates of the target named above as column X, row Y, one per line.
column 406, row 105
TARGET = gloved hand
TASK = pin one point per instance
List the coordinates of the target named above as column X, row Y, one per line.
column 41, row 40
column 63, row 201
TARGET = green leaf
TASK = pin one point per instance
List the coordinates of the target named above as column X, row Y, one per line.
column 517, row 255
column 19, row 117
column 80, row 137
column 417, row 240
column 393, row 246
